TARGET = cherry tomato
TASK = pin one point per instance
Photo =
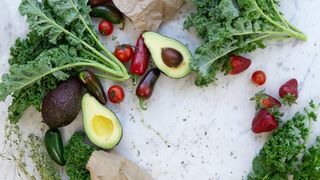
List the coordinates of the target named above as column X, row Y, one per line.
column 116, row 94
column 259, row 78
column 124, row 52
column 105, row 27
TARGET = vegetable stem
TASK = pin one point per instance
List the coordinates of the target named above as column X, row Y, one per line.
column 108, row 53
column 300, row 36
column 78, row 64
column 233, row 49
column 111, row 78
column 283, row 19
column 124, row 73
column 141, row 104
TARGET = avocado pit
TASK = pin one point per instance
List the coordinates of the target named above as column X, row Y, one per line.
column 171, row 57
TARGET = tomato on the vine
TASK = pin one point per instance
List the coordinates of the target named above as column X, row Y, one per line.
column 124, row 52
column 116, row 94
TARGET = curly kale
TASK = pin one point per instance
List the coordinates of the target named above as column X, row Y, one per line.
column 310, row 166
column 279, row 157
column 234, row 27
column 62, row 40
column 77, row 154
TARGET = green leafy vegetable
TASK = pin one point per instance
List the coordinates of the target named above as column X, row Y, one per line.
column 234, row 27
column 279, row 156
column 77, row 154
column 310, row 166
column 23, row 150
column 62, row 40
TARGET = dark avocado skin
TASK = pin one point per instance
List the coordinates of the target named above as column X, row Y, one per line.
column 62, row 105
column 54, row 146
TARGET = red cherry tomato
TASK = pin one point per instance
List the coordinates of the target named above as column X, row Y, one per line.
column 116, row 94
column 124, row 52
column 105, row 27
column 259, row 78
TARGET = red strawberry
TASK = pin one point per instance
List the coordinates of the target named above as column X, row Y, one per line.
column 239, row 64
column 289, row 92
column 264, row 122
column 265, row 101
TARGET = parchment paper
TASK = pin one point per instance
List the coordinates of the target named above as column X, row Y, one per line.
column 147, row 15
column 109, row 166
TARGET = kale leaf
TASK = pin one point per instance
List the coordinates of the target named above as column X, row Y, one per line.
column 233, row 27
column 310, row 166
column 77, row 154
column 61, row 42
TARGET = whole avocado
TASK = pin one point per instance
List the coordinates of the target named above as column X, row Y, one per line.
column 61, row 106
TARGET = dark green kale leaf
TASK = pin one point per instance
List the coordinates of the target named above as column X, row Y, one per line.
column 77, row 154
column 25, row 50
column 310, row 165
column 232, row 27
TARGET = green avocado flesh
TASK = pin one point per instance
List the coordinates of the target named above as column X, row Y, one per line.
column 156, row 43
column 101, row 125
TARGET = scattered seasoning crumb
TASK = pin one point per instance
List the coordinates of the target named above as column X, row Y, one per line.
column 114, row 38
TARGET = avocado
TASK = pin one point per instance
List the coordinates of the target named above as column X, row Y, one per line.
column 62, row 105
column 169, row 55
column 101, row 125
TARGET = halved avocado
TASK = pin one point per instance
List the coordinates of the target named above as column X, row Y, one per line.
column 170, row 56
column 101, row 125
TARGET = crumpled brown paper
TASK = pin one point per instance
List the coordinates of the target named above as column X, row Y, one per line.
column 108, row 166
column 147, row 15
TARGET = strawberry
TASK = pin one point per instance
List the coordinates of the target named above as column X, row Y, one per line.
column 265, row 101
column 238, row 64
column 289, row 92
column 264, row 122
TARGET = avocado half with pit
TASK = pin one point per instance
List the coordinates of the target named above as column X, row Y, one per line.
column 169, row 55
column 101, row 125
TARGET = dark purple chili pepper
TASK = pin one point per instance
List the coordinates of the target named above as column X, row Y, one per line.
column 146, row 86
column 93, row 84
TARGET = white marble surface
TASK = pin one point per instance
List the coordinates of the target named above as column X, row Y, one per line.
column 188, row 132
